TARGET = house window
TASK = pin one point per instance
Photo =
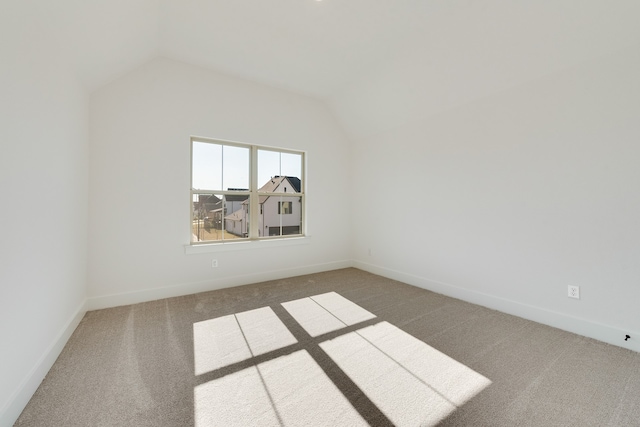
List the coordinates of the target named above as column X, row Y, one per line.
column 239, row 191
column 285, row 208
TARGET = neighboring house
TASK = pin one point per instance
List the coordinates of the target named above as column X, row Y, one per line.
column 278, row 215
column 233, row 203
column 280, row 211
column 210, row 207
column 237, row 222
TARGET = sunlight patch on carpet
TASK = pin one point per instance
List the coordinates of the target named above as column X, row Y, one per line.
column 409, row 381
column 345, row 310
column 327, row 312
column 288, row 390
column 230, row 339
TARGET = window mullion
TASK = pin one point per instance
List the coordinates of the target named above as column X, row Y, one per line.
column 253, row 197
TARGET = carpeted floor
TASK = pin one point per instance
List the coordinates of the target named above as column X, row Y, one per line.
column 339, row 348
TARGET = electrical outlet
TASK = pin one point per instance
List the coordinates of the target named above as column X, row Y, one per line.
column 214, row 263
column 574, row 292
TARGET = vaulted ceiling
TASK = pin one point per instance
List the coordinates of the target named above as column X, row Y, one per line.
column 341, row 50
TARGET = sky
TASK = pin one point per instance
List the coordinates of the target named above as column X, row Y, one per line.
column 218, row 168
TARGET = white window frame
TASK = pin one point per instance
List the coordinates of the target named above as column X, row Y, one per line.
column 253, row 193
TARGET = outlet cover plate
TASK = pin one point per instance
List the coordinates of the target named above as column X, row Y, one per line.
column 574, row 292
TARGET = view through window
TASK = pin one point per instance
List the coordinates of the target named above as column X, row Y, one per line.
column 241, row 191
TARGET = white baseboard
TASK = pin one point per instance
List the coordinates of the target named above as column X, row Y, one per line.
column 115, row 300
column 10, row 412
column 562, row 321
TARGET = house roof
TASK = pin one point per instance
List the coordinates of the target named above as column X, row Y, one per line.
column 208, row 198
column 236, row 197
column 236, row 216
column 295, row 182
column 275, row 181
column 209, row 202
column 271, row 185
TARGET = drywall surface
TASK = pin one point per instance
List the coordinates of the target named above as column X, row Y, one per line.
column 465, row 51
column 43, row 183
column 140, row 127
column 515, row 195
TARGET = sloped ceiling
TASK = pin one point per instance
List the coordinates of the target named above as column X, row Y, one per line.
column 322, row 47
column 355, row 54
column 98, row 40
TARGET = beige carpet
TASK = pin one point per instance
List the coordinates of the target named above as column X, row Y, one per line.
column 337, row 348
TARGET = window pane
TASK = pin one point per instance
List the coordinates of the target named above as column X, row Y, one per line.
column 217, row 217
column 272, row 164
column 207, row 166
column 207, row 218
column 235, row 168
column 281, row 216
column 236, row 220
column 291, row 165
column 268, row 166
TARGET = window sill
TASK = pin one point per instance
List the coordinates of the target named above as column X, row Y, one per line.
column 206, row 248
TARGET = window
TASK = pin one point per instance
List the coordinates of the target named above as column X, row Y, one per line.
column 245, row 192
column 285, row 208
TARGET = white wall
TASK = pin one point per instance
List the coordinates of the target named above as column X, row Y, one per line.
column 513, row 197
column 139, row 162
column 43, row 185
